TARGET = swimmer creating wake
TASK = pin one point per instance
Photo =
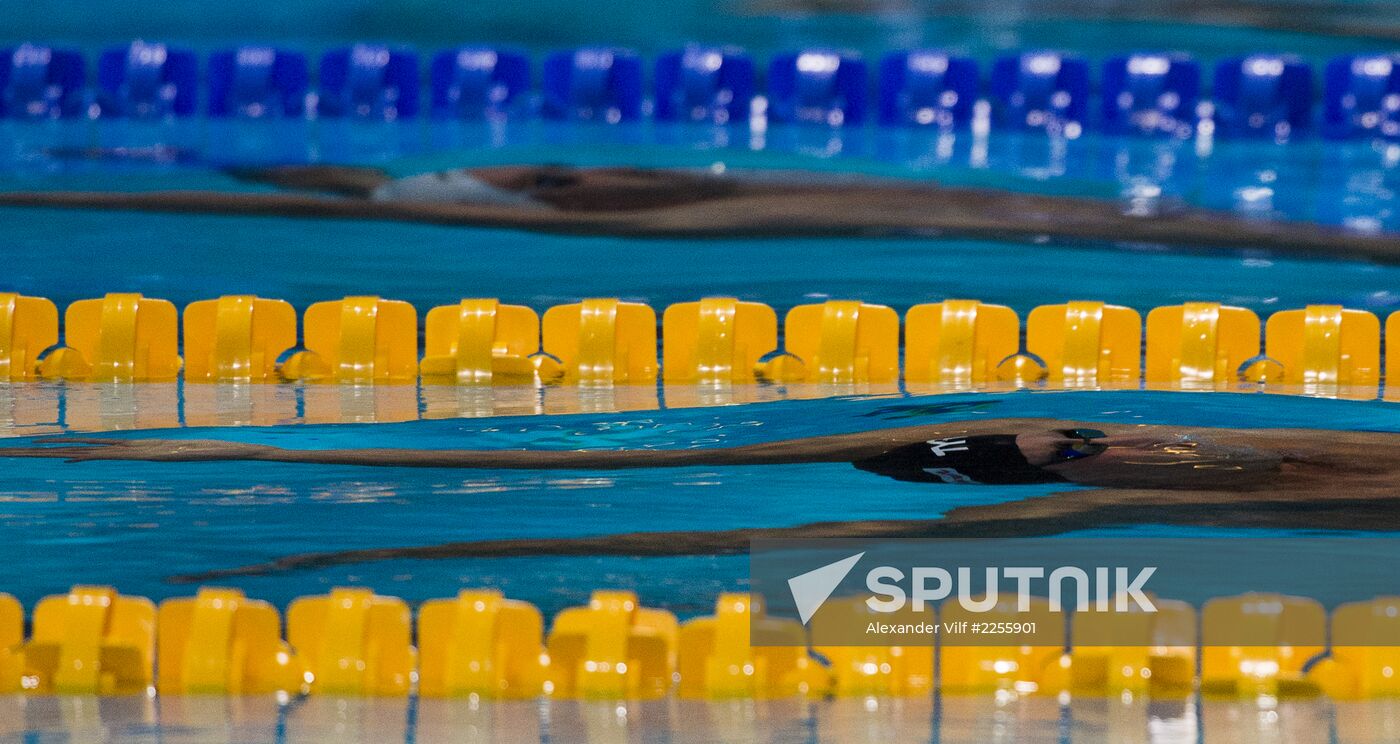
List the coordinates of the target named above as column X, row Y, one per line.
column 1113, row 474
column 658, row 203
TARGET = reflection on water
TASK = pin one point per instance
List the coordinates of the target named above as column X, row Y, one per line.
column 36, row 408
column 32, row 409
column 947, row 720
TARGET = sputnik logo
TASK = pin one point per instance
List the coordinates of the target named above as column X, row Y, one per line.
column 810, row 590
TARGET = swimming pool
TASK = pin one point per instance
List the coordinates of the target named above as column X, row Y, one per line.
column 280, row 530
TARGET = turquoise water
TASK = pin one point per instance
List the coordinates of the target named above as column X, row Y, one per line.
column 146, row 522
column 184, row 258
column 140, row 525
column 761, row 25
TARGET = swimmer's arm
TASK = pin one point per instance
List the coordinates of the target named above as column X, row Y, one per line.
column 835, row 448
column 74, row 449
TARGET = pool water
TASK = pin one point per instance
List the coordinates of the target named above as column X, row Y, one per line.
column 148, row 527
column 144, row 526
column 141, row 525
column 184, row 258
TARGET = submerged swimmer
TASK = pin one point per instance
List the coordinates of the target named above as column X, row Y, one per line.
column 998, row 452
column 1112, row 475
column 702, row 203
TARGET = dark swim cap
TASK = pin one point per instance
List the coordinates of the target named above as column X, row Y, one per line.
column 992, row 459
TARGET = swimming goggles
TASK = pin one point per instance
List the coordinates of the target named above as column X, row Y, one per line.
column 1084, row 446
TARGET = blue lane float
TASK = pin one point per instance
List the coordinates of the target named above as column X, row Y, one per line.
column 1154, row 94
column 1268, row 96
column 593, row 84
column 817, row 87
column 1263, row 96
column 1361, row 97
column 369, row 82
column 1039, row 90
column 712, row 85
column 478, row 82
column 258, row 82
column 36, row 82
column 928, row 88
column 148, row 81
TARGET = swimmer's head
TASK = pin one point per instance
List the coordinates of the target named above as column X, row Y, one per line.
column 1091, row 457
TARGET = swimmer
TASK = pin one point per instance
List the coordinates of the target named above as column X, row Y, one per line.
column 990, row 452
column 702, row 203
column 1091, row 476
